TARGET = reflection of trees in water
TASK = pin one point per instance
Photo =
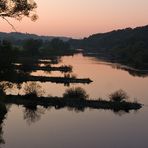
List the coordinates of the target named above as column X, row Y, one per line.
column 119, row 65
column 32, row 113
column 76, row 110
column 74, row 99
column 2, row 141
column 3, row 112
column 131, row 71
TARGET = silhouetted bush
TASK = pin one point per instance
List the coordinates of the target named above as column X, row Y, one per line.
column 118, row 96
column 33, row 90
column 76, row 93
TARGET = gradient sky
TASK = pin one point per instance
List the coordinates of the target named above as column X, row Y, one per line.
column 81, row 18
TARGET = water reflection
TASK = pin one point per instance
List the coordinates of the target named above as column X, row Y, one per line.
column 3, row 112
column 32, row 113
column 76, row 98
column 106, row 80
column 130, row 70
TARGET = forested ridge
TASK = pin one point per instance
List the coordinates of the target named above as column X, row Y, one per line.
column 127, row 45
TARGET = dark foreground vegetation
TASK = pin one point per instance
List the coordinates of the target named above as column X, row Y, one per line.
column 76, row 104
column 74, row 98
column 20, row 77
column 126, row 46
column 33, row 49
column 16, row 64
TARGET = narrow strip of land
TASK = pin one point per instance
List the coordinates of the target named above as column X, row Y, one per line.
column 78, row 104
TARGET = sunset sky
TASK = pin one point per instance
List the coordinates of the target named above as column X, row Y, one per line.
column 81, row 18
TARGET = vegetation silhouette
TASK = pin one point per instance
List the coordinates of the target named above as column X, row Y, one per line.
column 20, row 78
column 31, row 46
column 132, row 71
column 30, row 68
column 136, row 72
column 128, row 49
column 17, row 9
column 7, row 56
column 32, row 113
column 75, row 98
column 3, row 112
column 76, row 94
column 118, row 96
column 126, row 46
column 20, row 72
column 33, row 90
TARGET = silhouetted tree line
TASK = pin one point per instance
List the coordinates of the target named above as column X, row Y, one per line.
column 32, row 48
column 38, row 47
column 74, row 99
column 28, row 52
column 8, row 55
column 56, row 46
column 129, row 46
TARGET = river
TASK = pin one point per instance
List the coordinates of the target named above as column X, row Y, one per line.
column 66, row 128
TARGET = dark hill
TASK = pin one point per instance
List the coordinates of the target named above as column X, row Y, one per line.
column 122, row 38
column 128, row 46
column 15, row 36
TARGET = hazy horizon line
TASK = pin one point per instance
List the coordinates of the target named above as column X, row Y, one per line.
column 38, row 34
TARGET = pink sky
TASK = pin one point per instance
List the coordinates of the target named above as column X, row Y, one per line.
column 80, row 18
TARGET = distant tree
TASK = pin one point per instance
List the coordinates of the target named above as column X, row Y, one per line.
column 8, row 55
column 56, row 47
column 17, row 9
column 32, row 46
column 58, row 44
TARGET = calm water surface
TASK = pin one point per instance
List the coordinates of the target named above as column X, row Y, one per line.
column 66, row 128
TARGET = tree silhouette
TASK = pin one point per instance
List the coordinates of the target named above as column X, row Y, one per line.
column 32, row 46
column 7, row 56
column 17, row 9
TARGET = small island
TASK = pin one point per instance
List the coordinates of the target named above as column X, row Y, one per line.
column 74, row 98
